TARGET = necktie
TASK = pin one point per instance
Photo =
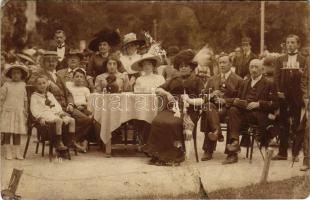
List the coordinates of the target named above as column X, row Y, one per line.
column 292, row 53
column 223, row 80
column 60, row 46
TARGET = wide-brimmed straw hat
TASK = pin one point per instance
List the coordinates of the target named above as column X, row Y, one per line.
column 131, row 38
column 137, row 66
column 27, row 54
column 112, row 37
column 7, row 71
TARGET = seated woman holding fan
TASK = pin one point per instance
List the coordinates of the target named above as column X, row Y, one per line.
column 166, row 141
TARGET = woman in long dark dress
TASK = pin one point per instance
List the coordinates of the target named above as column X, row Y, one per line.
column 166, row 141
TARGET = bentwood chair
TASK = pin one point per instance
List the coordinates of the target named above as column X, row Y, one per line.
column 45, row 133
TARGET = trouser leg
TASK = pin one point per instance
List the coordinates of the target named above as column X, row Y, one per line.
column 234, row 123
column 284, row 128
column 83, row 125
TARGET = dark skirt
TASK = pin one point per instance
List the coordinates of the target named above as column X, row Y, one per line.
column 165, row 131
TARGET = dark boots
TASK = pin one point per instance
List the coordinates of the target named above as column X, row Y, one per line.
column 59, row 144
column 74, row 144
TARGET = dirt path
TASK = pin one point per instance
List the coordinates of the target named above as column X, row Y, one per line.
column 92, row 176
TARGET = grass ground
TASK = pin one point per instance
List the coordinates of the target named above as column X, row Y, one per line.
column 293, row 188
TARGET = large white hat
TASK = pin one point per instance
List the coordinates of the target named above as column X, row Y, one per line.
column 7, row 70
column 137, row 65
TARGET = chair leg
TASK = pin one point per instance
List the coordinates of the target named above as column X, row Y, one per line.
column 195, row 142
column 37, row 147
column 247, row 151
column 50, row 153
column 43, row 147
column 27, row 144
column 259, row 147
column 252, row 146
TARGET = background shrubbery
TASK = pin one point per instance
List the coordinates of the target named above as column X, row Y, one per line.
column 186, row 24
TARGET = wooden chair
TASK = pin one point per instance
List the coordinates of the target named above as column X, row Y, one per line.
column 250, row 136
column 45, row 133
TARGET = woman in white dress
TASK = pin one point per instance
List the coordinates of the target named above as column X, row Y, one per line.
column 149, row 81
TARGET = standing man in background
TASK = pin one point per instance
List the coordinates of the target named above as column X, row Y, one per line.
column 247, row 55
column 61, row 48
column 289, row 78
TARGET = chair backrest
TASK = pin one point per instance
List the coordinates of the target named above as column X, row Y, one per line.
column 30, row 89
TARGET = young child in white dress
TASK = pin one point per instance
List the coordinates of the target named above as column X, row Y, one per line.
column 45, row 108
column 13, row 109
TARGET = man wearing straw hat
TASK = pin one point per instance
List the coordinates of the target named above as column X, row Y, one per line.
column 58, row 88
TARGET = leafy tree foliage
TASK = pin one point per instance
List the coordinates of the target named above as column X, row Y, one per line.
column 186, row 24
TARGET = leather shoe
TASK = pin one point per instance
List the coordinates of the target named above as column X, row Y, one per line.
column 206, row 156
column 220, row 138
column 295, row 159
column 234, row 146
column 233, row 158
column 279, row 157
column 304, row 168
column 213, row 135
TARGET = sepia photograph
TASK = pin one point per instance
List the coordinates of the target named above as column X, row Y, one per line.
column 105, row 99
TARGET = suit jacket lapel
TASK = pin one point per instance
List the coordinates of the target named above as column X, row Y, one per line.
column 261, row 86
column 245, row 88
column 217, row 82
column 49, row 76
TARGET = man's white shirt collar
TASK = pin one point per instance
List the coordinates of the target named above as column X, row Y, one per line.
column 226, row 75
column 53, row 74
column 254, row 81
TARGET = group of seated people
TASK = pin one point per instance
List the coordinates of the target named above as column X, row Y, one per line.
column 61, row 97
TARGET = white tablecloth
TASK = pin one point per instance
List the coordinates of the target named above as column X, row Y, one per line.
column 111, row 110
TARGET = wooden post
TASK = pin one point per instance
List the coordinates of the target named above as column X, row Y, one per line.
column 262, row 26
column 14, row 181
column 268, row 157
column 155, row 29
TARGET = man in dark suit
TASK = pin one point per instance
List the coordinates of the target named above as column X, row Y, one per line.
column 242, row 69
column 289, row 77
column 73, row 59
column 58, row 88
column 255, row 100
column 219, row 87
column 61, row 48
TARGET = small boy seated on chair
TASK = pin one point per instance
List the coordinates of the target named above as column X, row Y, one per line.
column 79, row 92
column 45, row 108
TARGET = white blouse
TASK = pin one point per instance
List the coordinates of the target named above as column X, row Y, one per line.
column 148, row 83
